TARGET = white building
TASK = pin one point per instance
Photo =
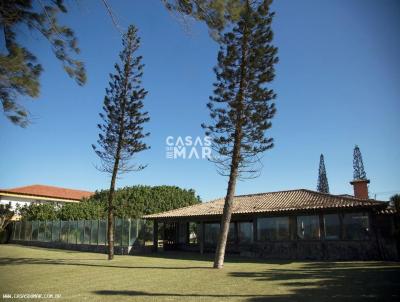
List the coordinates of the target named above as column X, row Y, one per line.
column 41, row 194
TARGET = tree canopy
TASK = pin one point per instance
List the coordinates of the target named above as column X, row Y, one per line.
column 130, row 202
column 19, row 69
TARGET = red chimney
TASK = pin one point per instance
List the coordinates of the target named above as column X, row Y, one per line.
column 360, row 187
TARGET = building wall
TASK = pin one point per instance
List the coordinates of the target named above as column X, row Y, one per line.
column 16, row 200
column 379, row 244
column 24, row 201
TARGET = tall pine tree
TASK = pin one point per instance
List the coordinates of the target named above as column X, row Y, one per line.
column 358, row 165
column 242, row 105
column 322, row 186
column 121, row 132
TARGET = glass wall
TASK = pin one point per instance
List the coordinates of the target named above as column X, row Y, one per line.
column 86, row 231
column 47, row 232
column 331, row 226
column 273, row 228
column 28, row 230
column 231, row 233
column 64, row 231
column 80, row 231
column 72, row 232
column 245, row 232
column 117, row 231
column 356, row 226
column 193, row 232
column 102, row 232
column 308, row 227
column 183, row 232
column 55, row 235
column 22, row 231
column 94, row 236
column 42, row 228
column 211, row 231
column 127, row 231
column 35, row 230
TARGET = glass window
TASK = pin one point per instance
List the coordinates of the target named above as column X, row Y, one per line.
column 42, row 228
column 55, row 235
column 245, row 232
column 94, row 232
column 211, row 232
column 125, row 231
column 47, row 232
column 231, row 233
column 182, row 232
column 35, row 229
column 193, row 231
column 28, row 230
column 17, row 230
column 331, row 226
column 102, row 232
column 308, row 227
column 86, row 235
column 22, row 232
column 72, row 232
column 356, row 226
column 79, row 232
column 273, row 228
column 64, row 231
column 117, row 231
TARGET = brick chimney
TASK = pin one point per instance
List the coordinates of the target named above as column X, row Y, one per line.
column 360, row 187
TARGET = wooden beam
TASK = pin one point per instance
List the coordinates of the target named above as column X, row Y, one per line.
column 201, row 237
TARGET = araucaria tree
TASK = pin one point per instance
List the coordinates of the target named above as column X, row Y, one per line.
column 358, row 166
column 242, row 106
column 19, row 69
column 121, row 132
column 322, row 186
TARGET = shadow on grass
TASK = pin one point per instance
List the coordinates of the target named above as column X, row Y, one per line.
column 142, row 293
column 75, row 262
column 332, row 282
column 193, row 256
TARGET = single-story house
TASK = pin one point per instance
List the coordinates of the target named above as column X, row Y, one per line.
column 292, row 224
column 41, row 194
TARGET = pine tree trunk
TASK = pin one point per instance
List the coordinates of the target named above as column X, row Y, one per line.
column 228, row 206
column 227, row 213
column 110, row 232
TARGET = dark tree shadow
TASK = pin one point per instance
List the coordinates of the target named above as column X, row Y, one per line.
column 75, row 262
column 323, row 281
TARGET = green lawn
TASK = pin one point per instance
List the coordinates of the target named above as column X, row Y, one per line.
column 81, row 276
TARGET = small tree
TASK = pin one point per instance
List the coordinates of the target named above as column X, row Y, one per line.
column 6, row 214
column 242, row 107
column 323, row 185
column 121, row 133
column 358, row 166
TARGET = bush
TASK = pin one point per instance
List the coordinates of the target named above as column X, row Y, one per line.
column 129, row 202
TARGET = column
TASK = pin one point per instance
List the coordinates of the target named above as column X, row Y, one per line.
column 155, row 236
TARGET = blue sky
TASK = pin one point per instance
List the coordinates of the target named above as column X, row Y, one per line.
column 338, row 84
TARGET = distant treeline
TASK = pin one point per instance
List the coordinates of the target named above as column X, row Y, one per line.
column 130, row 202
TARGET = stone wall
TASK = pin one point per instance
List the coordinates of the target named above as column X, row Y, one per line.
column 312, row 250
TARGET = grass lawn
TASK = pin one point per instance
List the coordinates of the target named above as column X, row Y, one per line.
column 81, row 276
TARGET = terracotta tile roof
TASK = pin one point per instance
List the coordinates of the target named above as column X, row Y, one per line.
column 282, row 201
column 49, row 191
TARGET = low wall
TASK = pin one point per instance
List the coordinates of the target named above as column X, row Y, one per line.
column 118, row 250
column 312, row 250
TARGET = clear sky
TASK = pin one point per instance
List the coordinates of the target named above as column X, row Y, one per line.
column 338, row 84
